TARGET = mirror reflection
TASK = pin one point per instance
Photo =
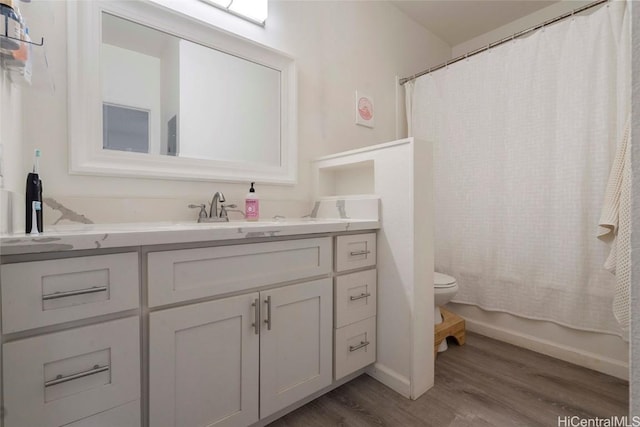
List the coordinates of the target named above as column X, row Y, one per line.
column 164, row 95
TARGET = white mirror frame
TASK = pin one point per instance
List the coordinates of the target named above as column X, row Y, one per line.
column 86, row 154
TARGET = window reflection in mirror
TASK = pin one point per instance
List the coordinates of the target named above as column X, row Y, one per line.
column 125, row 128
column 163, row 95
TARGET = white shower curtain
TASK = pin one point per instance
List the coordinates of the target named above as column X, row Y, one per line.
column 524, row 136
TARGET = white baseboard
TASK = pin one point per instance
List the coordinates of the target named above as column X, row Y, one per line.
column 391, row 379
column 589, row 360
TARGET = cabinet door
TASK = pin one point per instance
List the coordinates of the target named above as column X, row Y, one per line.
column 203, row 364
column 295, row 346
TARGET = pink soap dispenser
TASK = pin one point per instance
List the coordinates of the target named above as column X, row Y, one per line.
column 252, row 205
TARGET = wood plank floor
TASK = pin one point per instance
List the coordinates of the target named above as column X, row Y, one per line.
column 483, row 383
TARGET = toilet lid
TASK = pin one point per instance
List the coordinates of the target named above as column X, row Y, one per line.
column 443, row 281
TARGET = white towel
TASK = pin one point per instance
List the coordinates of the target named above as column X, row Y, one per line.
column 615, row 221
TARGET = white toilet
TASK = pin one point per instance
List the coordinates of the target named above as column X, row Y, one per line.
column 445, row 287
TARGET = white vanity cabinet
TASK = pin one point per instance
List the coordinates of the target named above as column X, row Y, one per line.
column 236, row 360
column 184, row 334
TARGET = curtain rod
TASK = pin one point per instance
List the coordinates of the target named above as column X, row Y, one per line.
column 504, row 40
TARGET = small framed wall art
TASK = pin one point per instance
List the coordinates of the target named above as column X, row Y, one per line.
column 365, row 115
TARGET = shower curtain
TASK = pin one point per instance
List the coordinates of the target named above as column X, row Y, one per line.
column 524, row 136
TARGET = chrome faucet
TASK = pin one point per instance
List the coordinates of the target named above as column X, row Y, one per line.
column 214, row 215
column 213, row 210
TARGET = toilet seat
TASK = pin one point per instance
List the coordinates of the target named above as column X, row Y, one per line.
column 441, row 281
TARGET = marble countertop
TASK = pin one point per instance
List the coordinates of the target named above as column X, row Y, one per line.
column 96, row 236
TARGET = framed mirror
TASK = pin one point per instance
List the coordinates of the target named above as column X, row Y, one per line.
column 155, row 94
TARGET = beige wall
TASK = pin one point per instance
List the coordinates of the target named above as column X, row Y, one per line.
column 339, row 47
column 13, row 179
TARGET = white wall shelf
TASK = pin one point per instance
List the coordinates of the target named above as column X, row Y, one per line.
column 347, row 179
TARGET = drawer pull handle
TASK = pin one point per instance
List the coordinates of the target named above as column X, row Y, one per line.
column 65, row 294
column 60, row 379
column 357, row 297
column 359, row 346
column 356, row 253
column 256, row 314
column 268, row 319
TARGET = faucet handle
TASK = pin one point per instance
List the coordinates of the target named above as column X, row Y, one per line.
column 223, row 210
column 203, row 211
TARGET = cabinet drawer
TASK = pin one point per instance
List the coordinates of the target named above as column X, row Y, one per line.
column 43, row 293
column 355, row 347
column 59, row 378
column 355, row 297
column 182, row 275
column 127, row 415
column 355, row 251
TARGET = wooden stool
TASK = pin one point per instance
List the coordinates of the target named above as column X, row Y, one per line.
column 452, row 326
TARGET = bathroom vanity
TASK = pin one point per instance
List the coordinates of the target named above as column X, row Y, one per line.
column 229, row 324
